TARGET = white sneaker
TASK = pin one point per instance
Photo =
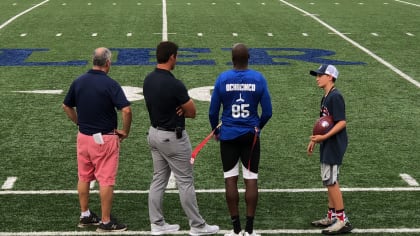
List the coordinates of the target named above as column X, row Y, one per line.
column 205, row 230
column 163, row 229
column 232, row 233
column 252, row 234
column 324, row 222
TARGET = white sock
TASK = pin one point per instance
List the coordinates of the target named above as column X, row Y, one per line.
column 85, row 214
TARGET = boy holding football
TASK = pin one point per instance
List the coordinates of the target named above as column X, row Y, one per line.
column 333, row 145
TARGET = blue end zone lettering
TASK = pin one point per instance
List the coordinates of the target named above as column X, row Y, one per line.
column 186, row 56
column 271, row 56
column 147, row 56
column 134, row 56
column 184, row 53
column 18, row 57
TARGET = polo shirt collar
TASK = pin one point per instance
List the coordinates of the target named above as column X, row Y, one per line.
column 163, row 71
column 92, row 71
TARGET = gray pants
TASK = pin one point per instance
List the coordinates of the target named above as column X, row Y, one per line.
column 172, row 154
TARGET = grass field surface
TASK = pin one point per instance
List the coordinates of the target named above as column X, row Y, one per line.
column 375, row 44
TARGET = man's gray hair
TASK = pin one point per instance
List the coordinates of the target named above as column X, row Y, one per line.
column 101, row 56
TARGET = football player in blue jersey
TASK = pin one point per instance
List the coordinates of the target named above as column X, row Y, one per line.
column 240, row 91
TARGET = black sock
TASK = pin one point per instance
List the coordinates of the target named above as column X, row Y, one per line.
column 249, row 224
column 236, row 222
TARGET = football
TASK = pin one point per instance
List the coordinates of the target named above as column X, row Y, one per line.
column 323, row 125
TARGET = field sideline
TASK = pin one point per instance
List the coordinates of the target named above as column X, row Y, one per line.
column 183, row 232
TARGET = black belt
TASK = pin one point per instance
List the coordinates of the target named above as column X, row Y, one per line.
column 165, row 129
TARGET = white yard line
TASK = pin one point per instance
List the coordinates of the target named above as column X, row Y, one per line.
column 172, row 181
column 185, row 232
column 354, row 43
column 9, row 183
column 287, row 190
column 58, row 91
column 408, row 3
column 164, row 22
column 21, row 14
column 409, row 180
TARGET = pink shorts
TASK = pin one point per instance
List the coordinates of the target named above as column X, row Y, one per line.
column 98, row 161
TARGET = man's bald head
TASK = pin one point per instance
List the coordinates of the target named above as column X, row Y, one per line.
column 101, row 56
column 101, row 59
column 240, row 56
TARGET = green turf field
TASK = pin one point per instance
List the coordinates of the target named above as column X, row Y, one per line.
column 375, row 44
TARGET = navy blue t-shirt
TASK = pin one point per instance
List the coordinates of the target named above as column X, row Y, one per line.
column 163, row 93
column 332, row 150
column 95, row 96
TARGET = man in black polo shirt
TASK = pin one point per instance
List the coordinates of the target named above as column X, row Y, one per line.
column 168, row 104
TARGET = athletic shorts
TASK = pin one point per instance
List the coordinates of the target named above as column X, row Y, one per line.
column 98, row 161
column 237, row 151
column 329, row 174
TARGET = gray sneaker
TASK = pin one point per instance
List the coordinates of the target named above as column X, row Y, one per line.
column 163, row 229
column 324, row 222
column 204, row 230
column 339, row 227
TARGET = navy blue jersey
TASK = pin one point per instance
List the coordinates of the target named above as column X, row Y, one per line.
column 332, row 150
column 95, row 96
column 240, row 92
column 163, row 93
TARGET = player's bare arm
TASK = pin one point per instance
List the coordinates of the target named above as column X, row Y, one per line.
column 71, row 113
column 310, row 148
column 126, row 120
column 334, row 130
